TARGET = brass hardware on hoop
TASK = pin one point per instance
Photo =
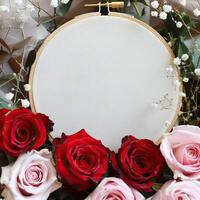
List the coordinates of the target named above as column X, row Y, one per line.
column 119, row 4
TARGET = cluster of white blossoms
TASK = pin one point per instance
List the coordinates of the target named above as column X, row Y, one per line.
column 24, row 102
column 178, row 61
column 55, row 3
column 15, row 13
column 162, row 11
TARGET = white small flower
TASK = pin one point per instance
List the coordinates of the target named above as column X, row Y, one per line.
column 182, row 94
column 185, row 57
column 25, row 103
column 179, row 24
column 197, row 71
column 154, row 13
column 64, row 1
column 155, row 4
column 54, row 3
column 27, row 87
column 196, row 12
column 185, row 79
column 177, row 83
column 163, row 15
column 30, row 7
column 177, row 61
column 183, row 2
column 4, row 9
column 167, row 8
column 14, row 74
column 9, row 96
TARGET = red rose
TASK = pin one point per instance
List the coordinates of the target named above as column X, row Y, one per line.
column 81, row 160
column 22, row 130
column 138, row 162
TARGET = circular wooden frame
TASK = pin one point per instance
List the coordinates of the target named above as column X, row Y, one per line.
column 120, row 15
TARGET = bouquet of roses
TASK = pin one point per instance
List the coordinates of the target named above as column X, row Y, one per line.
column 78, row 166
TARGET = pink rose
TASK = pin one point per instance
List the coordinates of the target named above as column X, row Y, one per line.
column 183, row 190
column 32, row 177
column 181, row 150
column 114, row 188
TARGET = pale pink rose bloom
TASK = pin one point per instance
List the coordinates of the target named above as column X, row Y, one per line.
column 183, row 190
column 181, row 150
column 114, row 188
column 32, row 177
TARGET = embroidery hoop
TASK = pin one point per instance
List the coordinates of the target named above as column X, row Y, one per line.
column 168, row 123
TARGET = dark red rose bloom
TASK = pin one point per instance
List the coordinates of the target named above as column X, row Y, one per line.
column 22, row 130
column 138, row 162
column 81, row 160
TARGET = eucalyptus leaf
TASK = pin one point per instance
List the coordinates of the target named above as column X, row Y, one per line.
column 30, row 59
column 3, row 103
column 63, row 8
column 21, row 44
column 4, row 56
column 196, row 54
column 143, row 2
column 180, row 48
column 5, row 45
column 157, row 186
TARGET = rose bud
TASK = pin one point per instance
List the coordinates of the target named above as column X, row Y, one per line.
column 138, row 162
column 114, row 188
column 32, row 176
column 181, row 150
column 81, row 160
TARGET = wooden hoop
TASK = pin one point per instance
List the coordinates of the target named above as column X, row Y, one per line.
column 120, row 15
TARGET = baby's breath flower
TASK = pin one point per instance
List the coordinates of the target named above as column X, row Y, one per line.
column 155, row 4
column 185, row 57
column 154, row 13
column 197, row 71
column 25, row 103
column 177, row 61
column 64, row 1
column 196, row 12
column 179, row 24
column 185, row 79
column 54, row 3
column 27, row 87
column 163, row 15
column 167, row 8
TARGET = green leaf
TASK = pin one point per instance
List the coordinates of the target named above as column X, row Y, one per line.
column 143, row 12
column 157, row 186
column 180, row 48
column 143, row 2
column 196, row 54
column 3, row 103
column 4, row 56
column 21, row 44
column 5, row 45
column 63, row 8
